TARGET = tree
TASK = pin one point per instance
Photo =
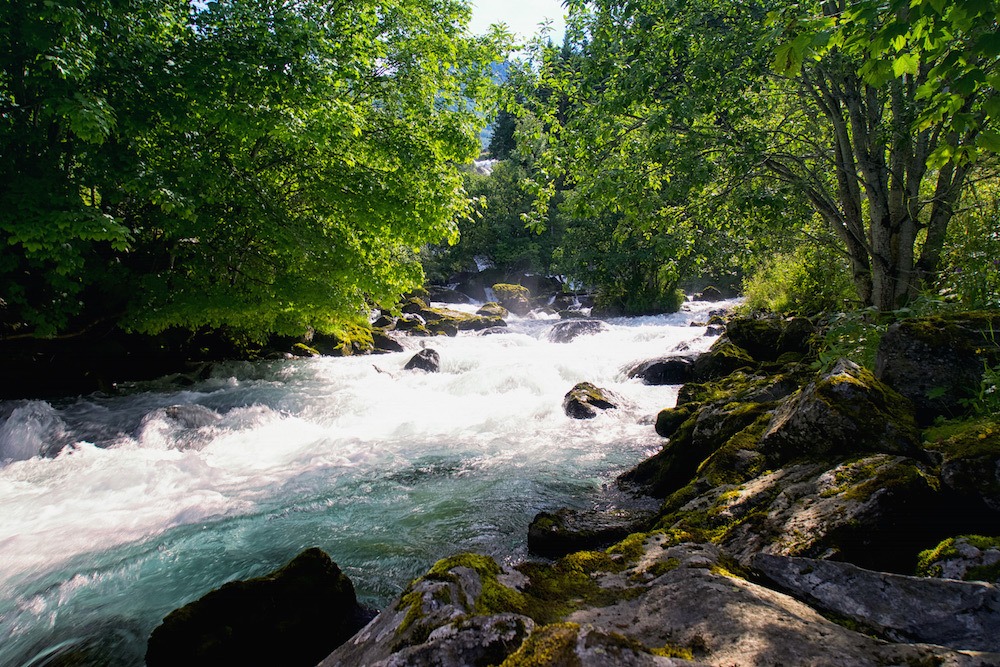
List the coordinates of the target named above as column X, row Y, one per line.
column 683, row 126
column 266, row 166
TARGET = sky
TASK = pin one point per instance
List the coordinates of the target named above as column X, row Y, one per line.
column 521, row 16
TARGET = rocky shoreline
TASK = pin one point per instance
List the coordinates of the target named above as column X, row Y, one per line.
column 798, row 496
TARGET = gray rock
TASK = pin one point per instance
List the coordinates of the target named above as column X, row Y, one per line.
column 566, row 330
column 425, row 360
column 663, row 371
column 958, row 614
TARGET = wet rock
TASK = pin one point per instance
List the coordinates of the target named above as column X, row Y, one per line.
column 585, row 400
column 957, row 614
column 492, row 309
column 444, row 294
column 938, row 362
column 490, row 331
column 663, row 371
column 567, row 330
column 293, row 616
column 384, row 343
column 566, row 530
column 177, row 426
column 515, row 298
column 425, row 360
column 710, row 294
column 843, row 411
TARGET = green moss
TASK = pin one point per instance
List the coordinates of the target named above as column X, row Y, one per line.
column 632, row 547
column 927, row 561
column 965, row 439
column 303, row 350
column 662, row 567
column 553, row 644
column 505, row 291
column 673, row 651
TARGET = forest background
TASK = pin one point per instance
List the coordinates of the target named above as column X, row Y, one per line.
column 275, row 167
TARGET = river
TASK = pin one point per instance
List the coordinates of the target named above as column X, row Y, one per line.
column 386, row 470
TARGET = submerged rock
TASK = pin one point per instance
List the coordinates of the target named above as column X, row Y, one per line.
column 567, row 330
column 425, row 360
column 585, row 400
column 293, row 616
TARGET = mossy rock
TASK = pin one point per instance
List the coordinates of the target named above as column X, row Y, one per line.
column 938, row 362
column 493, row 309
column 555, row 534
column 515, row 298
column 587, row 400
column 768, row 338
column 346, row 340
column 966, row 557
column 970, row 458
column 843, row 412
column 722, row 359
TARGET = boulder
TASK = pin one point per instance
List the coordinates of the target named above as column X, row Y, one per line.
column 384, row 343
column 443, row 294
column 938, row 362
column 490, row 331
column 722, row 359
column 585, row 400
column 293, row 616
column 970, row 459
column 710, row 294
column 766, row 339
column 843, row 411
column 567, row 330
column 961, row 615
column 425, row 360
column 492, row 309
column 566, row 530
column 515, row 298
column 666, row 370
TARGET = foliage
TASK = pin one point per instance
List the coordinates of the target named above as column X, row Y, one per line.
column 970, row 272
column 261, row 166
column 809, row 279
column 671, row 129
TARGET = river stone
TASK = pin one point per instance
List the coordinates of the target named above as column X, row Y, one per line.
column 710, row 294
column 766, row 339
column 444, row 294
column 844, row 411
column 722, row 359
column 293, row 616
column 567, row 530
column 566, row 330
column 384, row 343
column 585, row 400
column 663, row 371
column 515, row 298
column 938, row 362
column 492, row 309
column 425, row 360
column 962, row 615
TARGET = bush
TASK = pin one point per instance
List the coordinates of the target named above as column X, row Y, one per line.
column 810, row 279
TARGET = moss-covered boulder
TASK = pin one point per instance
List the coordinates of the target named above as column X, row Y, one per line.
column 842, row 412
column 293, row 616
column 492, row 309
column 348, row 340
column 938, row 362
column 722, row 359
column 586, row 401
column 766, row 339
column 970, row 458
column 515, row 298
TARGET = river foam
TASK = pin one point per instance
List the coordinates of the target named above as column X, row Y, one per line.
column 161, row 494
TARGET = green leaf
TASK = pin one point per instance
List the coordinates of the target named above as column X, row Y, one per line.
column 908, row 63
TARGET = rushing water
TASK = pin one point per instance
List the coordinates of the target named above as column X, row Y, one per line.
column 147, row 506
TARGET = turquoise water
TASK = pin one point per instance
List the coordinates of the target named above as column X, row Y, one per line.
column 148, row 507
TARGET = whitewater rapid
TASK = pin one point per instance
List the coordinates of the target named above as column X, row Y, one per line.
column 160, row 494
